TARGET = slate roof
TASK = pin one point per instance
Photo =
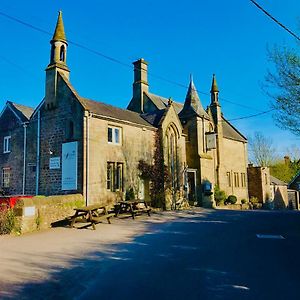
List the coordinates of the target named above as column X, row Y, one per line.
column 276, row 181
column 161, row 102
column 230, row 132
column 23, row 112
column 192, row 104
column 107, row 110
column 154, row 117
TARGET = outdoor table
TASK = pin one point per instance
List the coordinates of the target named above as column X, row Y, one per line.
column 92, row 214
column 133, row 207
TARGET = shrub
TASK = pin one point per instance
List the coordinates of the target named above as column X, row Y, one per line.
column 231, row 199
column 220, row 196
column 129, row 195
column 244, row 201
column 7, row 220
column 254, row 200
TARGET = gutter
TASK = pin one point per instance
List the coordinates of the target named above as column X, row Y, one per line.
column 25, row 124
column 38, row 154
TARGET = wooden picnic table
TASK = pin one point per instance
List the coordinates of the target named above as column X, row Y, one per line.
column 132, row 207
column 92, row 214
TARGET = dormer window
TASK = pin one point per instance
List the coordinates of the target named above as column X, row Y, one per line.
column 6, row 144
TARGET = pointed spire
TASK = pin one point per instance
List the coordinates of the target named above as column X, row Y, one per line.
column 59, row 34
column 214, row 86
column 214, row 91
column 192, row 102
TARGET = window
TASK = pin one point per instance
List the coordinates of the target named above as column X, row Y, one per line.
column 114, row 177
column 62, row 53
column 236, row 179
column 119, row 177
column 6, row 144
column 228, row 174
column 5, row 177
column 243, row 179
column 109, row 176
column 266, row 178
column 114, row 135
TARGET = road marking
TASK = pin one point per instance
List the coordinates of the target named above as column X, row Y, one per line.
column 270, row 236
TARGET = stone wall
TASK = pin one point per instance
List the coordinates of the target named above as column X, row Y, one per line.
column 40, row 212
column 259, row 183
column 10, row 126
column 54, row 131
column 137, row 143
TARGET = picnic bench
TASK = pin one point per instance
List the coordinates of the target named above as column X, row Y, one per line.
column 133, row 208
column 92, row 214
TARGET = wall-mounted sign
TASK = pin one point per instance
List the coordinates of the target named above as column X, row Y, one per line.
column 54, row 163
column 211, row 141
column 69, row 166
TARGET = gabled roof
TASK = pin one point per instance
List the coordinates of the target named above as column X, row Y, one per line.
column 294, row 179
column 106, row 110
column 161, row 102
column 22, row 112
column 230, row 132
column 276, row 181
column 154, row 117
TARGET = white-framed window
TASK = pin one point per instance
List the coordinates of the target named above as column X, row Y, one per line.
column 6, row 144
column 114, row 135
column 6, row 177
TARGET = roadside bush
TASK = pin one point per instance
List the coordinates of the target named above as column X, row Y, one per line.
column 244, row 201
column 219, row 195
column 129, row 195
column 231, row 199
column 254, row 200
column 7, row 220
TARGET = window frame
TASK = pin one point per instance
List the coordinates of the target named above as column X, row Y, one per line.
column 114, row 136
column 236, row 179
column 229, row 181
column 7, row 144
column 5, row 182
column 243, row 179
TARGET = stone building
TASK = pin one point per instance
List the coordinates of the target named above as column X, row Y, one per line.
column 83, row 146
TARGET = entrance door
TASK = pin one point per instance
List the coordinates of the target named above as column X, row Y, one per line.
column 191, row 180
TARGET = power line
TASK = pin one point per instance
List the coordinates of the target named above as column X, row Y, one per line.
column 252, row 116
column 112, row 59
column 275, row 20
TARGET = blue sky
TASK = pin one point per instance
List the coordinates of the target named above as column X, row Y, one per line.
column 177, row 38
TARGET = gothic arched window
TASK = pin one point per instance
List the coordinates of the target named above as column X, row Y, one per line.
column 172, row 139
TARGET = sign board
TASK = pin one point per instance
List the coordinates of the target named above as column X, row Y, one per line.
column 211, row 141
column 69, row 166
column 29, row 211
column 54, row 163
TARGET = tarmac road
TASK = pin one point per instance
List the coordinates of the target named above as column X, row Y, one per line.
column 195, row 255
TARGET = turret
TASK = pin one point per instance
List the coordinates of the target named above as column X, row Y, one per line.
column 58, row 63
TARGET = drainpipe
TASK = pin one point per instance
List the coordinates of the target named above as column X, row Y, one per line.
column 24, row 156
column 38, row 154
column 87, row 159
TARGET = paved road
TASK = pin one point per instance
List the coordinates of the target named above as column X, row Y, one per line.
column 198, row 255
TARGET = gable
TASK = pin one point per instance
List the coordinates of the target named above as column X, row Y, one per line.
column 230, row 132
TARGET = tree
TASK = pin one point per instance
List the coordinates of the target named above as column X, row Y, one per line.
column 262, row 152
column 283, row 86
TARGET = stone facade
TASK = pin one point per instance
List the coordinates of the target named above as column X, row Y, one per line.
column 259, row 183
column 200, row 148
